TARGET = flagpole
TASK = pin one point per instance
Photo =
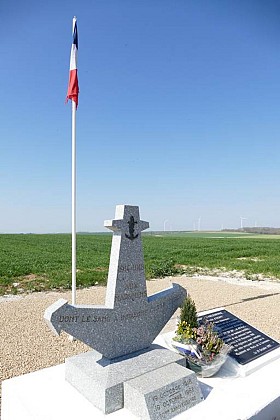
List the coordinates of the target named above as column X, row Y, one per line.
column 73, row 203
column 72, row 93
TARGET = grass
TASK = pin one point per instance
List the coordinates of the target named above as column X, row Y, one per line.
column 252, row 255
column 43, row 262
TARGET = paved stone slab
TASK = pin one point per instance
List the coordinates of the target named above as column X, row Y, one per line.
column 163, row 393
column 101, row 380
column 129, row 321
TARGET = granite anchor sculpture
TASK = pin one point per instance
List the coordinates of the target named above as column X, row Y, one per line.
column 114, row 329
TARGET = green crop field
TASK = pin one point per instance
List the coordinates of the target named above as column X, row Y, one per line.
column 43, row 262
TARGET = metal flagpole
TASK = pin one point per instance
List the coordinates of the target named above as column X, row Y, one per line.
column 72, row 93
column 73, row 203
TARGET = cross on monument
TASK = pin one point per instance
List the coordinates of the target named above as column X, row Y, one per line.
column 130, row 320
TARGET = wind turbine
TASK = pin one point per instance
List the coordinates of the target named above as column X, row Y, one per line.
column 198, row 223
column 164, row 225
column 241, row 221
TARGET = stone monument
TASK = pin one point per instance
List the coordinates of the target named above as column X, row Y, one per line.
column 121, row 333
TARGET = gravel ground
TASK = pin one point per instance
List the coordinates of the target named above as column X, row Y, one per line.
column 26, row 343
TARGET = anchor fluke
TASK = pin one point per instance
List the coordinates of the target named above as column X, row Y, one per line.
column 130, row 320
column 51, row 315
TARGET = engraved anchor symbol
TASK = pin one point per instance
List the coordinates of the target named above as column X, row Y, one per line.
column 131, row 224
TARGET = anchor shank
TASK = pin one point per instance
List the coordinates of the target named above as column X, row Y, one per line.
column 126, row 279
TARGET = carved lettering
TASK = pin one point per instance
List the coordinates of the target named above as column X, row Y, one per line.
column 86, row 318
column 128, row 296
column 246, row 341
column 126, row 268
column 68, row 318
column 94, row 318
column 100, row 319
column 130, row 286
column 133, row 315
column 176, row 398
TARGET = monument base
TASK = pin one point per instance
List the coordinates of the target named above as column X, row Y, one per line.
column 101, row 380
column 162, row 393
column 45, row 395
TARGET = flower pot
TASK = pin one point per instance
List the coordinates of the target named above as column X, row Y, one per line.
column 201, row 367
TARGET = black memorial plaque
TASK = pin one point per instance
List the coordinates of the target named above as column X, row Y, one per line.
column 247, row 342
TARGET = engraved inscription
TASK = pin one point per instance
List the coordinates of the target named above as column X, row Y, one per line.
column 92, row 318
column 246, row 341
column 171, row 401
column 68, row 318
column 130, row 286
column 131, row 267
column 83, row 318
column 127, row 296
column 133, row 315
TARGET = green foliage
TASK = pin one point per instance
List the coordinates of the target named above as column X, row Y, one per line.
column 185, row 332
column 162, row 268
column 43, row 262
column 201, row 335
column 204, row 337
column 253, row 256
column 208, row 339
column 188, row 313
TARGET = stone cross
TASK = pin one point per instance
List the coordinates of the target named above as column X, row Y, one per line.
column 130, row 320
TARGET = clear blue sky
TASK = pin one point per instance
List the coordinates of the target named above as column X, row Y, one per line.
column 179, row 113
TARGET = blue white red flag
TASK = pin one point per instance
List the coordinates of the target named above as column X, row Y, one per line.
column 73, row 85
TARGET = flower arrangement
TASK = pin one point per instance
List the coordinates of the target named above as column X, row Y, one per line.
column 198, row 341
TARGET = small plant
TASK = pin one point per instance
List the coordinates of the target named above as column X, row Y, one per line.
column 163, row 269
column 204, row 340
column 198, row 341
column 188, row 313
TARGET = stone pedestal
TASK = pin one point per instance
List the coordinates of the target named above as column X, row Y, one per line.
column 101, row 380
column 162, row 393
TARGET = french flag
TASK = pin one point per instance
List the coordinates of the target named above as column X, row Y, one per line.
column 73, row 85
